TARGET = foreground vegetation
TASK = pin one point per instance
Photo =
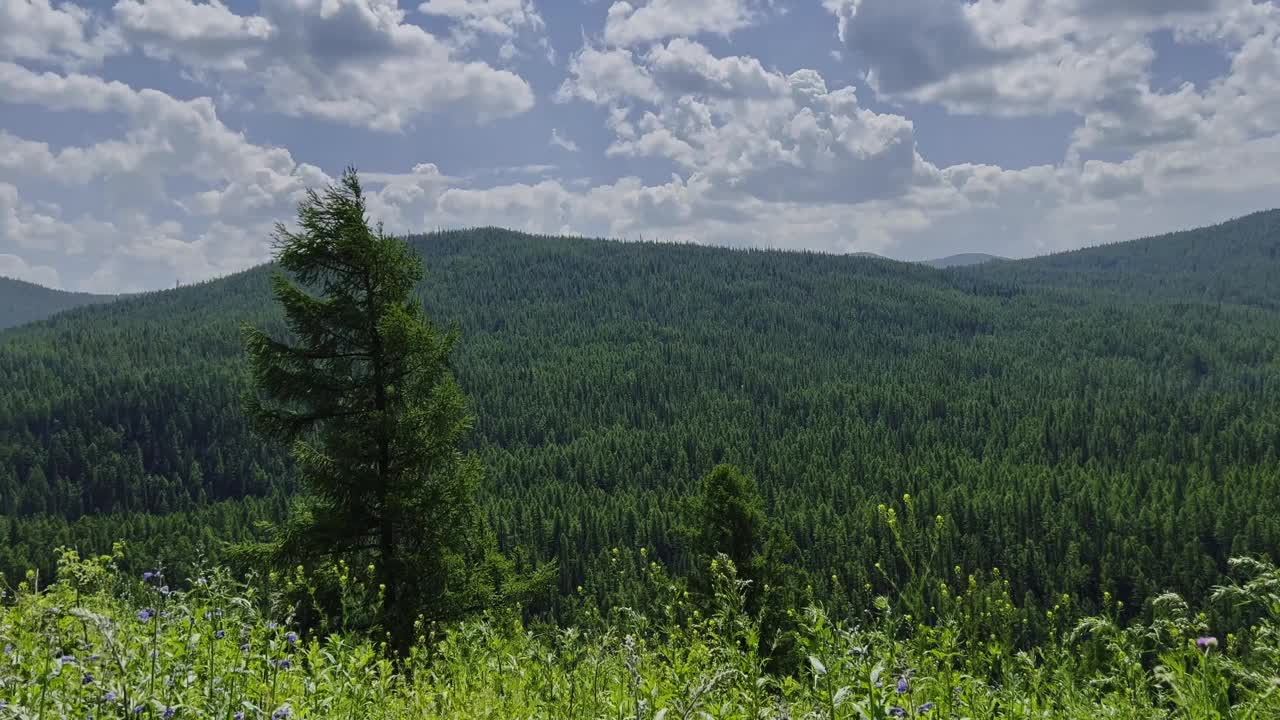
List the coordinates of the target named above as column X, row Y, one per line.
column 103, row 644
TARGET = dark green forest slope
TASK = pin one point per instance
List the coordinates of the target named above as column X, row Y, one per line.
column 23, row 302
column 1234, row 262
column 1078, row 443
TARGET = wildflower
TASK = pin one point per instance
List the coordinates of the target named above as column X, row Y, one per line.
column 109, row 697
column 902, row 685
column 271, row 625
column 244, row 648
column 291, row 638
column 896, row 711
column 220, row 634
column 168, row 713
column 87, row 679
column 924, row 708
column 1207, row 643
column 66, row 660
column 137, row 709
column 238, row 716
column 144, row 615
column 283, row 664
column 8, row 649
column 281, row 713
column 148, row 575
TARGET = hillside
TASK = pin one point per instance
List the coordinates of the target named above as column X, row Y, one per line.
column 23, row 302
column 1079, row 445
column 962, row 260
column 1233, row 262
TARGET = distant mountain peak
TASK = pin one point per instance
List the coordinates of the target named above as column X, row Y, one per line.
column 961, row 260
column 23, row 302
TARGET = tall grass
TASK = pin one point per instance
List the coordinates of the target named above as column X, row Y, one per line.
column 99, row 644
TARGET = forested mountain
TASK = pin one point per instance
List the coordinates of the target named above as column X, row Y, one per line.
column 1077, row 443
column 23, row 302
column 1234, row 262
column 961, row 260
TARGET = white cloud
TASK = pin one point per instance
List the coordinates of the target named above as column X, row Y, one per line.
column 209, row 34
column 741, row 127
column 350, row 61
column 12, row 266
column 646, row 21
column 1022, row 57
column 66, row 34
column 604, row 76
column 167, row 143
column 563, row 142
column 749, row 154
column 504, row 18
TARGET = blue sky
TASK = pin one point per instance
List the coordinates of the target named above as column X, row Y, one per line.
column 144, row 142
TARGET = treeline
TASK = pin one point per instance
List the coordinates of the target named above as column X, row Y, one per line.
column 1233, row 262
column 1078, row 444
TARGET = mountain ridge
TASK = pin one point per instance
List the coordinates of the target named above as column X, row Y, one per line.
column 23, row 302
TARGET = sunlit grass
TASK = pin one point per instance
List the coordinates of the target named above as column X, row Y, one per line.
column 102, row 645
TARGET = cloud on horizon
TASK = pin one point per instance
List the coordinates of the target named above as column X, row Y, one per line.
column 155, row 140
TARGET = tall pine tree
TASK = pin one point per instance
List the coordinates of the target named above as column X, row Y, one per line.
column 364, row 392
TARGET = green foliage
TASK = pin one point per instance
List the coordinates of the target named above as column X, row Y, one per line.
column 105, row 644
column 728, row 519
column 1081, row 444
column 367, row 399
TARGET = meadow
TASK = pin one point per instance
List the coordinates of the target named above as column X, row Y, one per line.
column 102, row 644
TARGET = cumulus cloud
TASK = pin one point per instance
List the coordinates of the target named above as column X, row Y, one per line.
column 743, row 128
column 12, row 266
column 64, row 35
column 168, row 143
column 649, row 20
column 1026, row 57
column 356, row 62
column 733, row 150
column 504, row 18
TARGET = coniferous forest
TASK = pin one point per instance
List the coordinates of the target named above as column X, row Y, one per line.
column 906, row 472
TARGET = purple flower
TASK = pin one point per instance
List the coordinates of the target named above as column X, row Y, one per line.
column 137, row 709
column 66, row 660
column 902, row 685
column 244, row 647
column 924, row 708
column 271, row 625
column 8, row 648
column 291, row 637
column 281, row 713
column 144, row 615
column 1207, row 643
column 87, row 679
column 897, row 712
column 238, row 716
column 148, row 575
column 283, row 664
column 220, row 634
column 168, row 713
column 109, row 697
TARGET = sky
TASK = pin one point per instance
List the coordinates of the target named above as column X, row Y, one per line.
column 145, row 143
